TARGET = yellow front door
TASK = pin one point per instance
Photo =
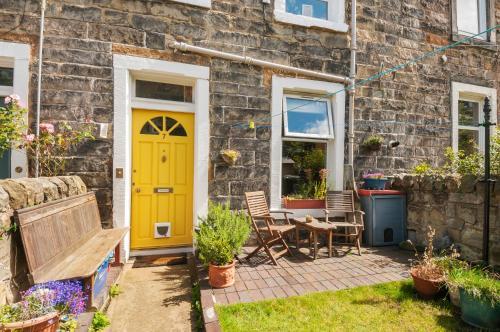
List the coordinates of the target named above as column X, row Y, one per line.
column 162, row 179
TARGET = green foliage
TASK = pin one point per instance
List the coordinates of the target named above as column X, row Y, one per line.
column 390, row 306
column 114, row 290
column 222, row 234
column 196, row 307
column 306, row 156
column 373, row 142
column 465, row 163
column 11, row 123
column 68, row 325
column 54, row 147
column 478, row 283
column 99, row 322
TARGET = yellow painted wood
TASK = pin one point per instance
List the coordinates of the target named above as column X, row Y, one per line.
column 162, row 160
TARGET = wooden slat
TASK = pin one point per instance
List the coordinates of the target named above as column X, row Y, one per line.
column 54, row 231
column 84, row 261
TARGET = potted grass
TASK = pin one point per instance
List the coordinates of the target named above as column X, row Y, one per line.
column 479, row 298
column 220, row 237
column 453, row 269
column 43, row 306
column 427, row 273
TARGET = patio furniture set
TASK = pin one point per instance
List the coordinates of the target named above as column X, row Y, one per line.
column 339, row 204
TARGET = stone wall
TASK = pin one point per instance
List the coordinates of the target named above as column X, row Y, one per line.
column 411, row 106
column 18, row 194
column 453, row 206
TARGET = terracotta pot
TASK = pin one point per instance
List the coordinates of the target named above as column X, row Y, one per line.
column 221, row 276
column 427, row 289
column 47, row 323
column 304, row 203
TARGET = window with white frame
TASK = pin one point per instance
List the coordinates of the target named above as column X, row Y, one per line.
column 307, row 152
column 467, row 115
column 470, row 17
column 328, row 14
column 199, row 3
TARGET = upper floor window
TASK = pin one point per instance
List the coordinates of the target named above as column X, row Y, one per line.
column 467, row 115
column 471, row 17
column 328, row 14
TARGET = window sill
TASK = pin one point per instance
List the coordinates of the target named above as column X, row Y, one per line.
column 199, row 3
column 476, row 42
column 309, row 21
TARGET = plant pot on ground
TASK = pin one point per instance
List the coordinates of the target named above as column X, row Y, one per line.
column 220, row 238
column 427, row 274
column 453, row 269
column 480, row 298
column 42, row 305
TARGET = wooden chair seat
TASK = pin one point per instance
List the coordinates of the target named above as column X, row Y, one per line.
column 278, row 228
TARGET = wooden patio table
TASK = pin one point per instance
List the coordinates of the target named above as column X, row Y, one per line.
column 315, row 227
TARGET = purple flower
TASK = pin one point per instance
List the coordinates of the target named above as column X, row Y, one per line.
column 66, row 296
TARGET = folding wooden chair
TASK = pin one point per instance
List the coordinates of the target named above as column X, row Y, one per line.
column 343, row 202
column 268, row 232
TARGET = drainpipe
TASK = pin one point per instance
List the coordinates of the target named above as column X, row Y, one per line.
column 352, row 91
column 256, row 62
column 39, row 87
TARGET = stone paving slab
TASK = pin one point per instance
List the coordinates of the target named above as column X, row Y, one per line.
column 258, row 279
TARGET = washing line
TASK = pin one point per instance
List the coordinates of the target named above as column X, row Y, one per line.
column 251, row 123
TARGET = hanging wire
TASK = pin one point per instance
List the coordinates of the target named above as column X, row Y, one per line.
column 252, row 123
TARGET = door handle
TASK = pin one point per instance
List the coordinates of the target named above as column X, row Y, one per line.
column 137, row 190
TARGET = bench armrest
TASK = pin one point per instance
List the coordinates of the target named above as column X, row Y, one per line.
column 360, row 212
column 281, row 211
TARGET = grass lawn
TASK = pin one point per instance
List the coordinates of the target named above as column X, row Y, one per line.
column 392, row 306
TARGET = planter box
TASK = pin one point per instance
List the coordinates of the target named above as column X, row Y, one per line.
column 374, row 184
column 303, row 203
column 479, row 312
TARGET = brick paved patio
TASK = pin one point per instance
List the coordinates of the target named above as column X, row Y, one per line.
column 259, row 279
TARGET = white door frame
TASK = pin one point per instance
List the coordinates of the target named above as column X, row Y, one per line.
column 18, row 56
column 125, row 69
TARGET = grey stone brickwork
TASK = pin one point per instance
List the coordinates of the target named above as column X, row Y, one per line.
column 412, row 106
column 453, row 206
column 18, row 194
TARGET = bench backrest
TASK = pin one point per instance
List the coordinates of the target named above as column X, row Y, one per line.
column 51, row 231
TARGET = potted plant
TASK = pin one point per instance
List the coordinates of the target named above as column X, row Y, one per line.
column 42, row 306
column 310, row 195
column 220, row 237
column 230, row 156
column 373, row 143
column 427, row 273
column 480, row 298
column 453, row 268
column 374, row 181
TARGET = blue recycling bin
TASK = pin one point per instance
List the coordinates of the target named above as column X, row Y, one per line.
column 385, row 216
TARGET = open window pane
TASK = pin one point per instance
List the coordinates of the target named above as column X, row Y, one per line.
column 307, row 118
column 468, row 113
column 311, row 8
column 468, row 140
column 303, row 174
column 163, row 91
column 6, row 76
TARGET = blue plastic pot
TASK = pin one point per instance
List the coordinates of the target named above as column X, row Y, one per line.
column 478, row 312
column 374, row 184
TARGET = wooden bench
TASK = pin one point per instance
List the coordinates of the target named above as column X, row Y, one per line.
column 64, row 240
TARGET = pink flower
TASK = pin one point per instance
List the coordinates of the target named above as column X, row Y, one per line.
column 29, row 138
column 7, row 100
column 15, row 97
column 47, row 127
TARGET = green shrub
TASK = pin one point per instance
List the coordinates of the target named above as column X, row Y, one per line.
column 423, row 169
column 114, row 290
column 478, row 283
column 222, row 234
column 99, row 322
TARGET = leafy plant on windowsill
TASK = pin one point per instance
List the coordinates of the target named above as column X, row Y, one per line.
column 373, row 143
column 312, row 189
column 11, row 123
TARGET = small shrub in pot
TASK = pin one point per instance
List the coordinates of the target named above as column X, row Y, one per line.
column 221, row 236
